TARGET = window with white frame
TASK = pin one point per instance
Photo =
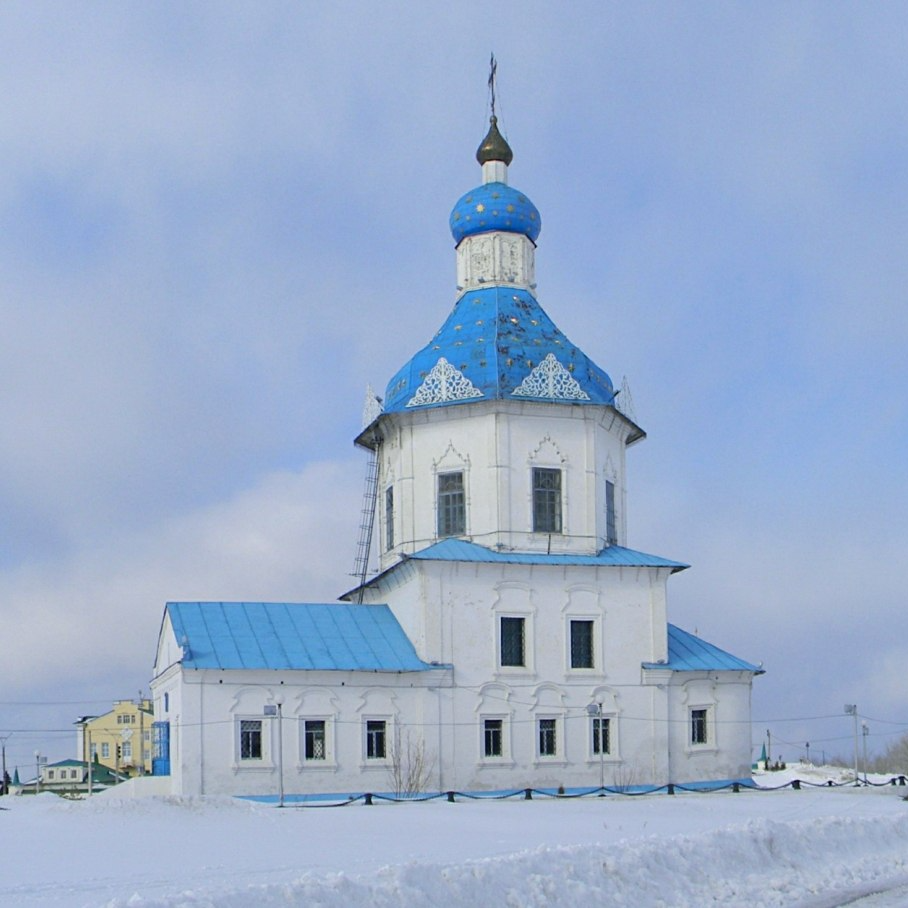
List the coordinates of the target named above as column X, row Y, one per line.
column 452, row 508
column 581, row 632
column 493, row 737
column 105, row 751
column 389, row 518
column 699, row 733
column 250, row 731
column 315, row 742
column 546, row 500
column 546, row 732
column 127, row 750
column 376, row 739
column 601, row 735
column 512, row 641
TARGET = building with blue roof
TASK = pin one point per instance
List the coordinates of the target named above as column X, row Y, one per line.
column 509, row 635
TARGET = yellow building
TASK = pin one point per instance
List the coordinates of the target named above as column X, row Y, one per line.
column 119, row 739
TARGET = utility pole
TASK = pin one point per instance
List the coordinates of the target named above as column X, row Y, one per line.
column 865, row 730
column 768, row 748
column 851, row 709
column 594, row 710
column 275, row 711
column 280, row 749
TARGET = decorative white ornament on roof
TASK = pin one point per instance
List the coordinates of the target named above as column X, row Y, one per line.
column 443, row 383
column 372, row 407
column 550, row 380
column 625, row 402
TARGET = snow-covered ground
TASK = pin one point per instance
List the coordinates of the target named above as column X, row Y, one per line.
column 817, row 847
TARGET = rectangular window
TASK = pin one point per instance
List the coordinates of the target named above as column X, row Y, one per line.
column 105, row 751
column 611, row 531
column 513, row 649
column 452, row 511
column 127, row 750
column 581, row 644
column 73, row 774
column 698, row 726
column 547, row 740
column 546, row 500
column 250, row 739
column 375, row 739
column 314, row 739
column 389, row 518
column 601, row 736
column 491, row 737
column 50, row 775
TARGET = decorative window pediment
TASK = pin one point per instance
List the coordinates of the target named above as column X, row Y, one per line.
column 550, row 380
column 443, row 383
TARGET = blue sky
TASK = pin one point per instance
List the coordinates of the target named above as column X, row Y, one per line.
column 218, row 222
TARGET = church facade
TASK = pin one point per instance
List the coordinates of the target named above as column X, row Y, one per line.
column 510, row 638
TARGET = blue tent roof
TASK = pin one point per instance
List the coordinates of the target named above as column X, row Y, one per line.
column 461, row 550
column 283, row 635
column 495, row 337
column 687, row 653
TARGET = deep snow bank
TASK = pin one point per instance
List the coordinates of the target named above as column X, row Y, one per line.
column 815, row 863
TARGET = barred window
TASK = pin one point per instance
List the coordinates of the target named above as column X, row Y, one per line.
column 314, row 739
column 698, row 726
column 491, row 737
column 601, row 736
column 452, row 511
column 611, row 531
column 376, row 730
column 547, row 739
column 513, row 649
column 250, row 739
column 389, row 518
column 546, row 500
column 581, row 644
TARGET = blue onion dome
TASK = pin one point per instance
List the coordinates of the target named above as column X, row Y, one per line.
column 494, row 206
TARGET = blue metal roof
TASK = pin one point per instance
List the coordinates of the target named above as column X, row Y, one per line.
column 284, row 635
column 494, row 206
column 687, row 653
column 613, row 555
column 495, row 337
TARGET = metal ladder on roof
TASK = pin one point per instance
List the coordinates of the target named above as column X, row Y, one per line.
column 367, row 523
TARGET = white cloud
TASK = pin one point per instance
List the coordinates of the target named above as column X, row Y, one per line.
column 96, row 613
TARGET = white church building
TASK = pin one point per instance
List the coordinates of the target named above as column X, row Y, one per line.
column 510, row 638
